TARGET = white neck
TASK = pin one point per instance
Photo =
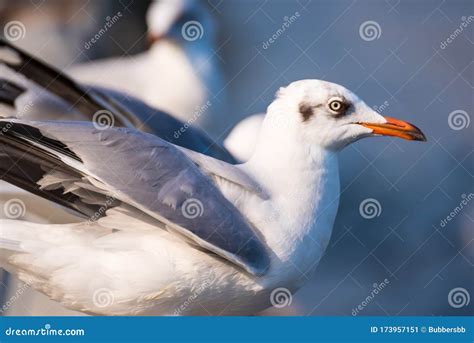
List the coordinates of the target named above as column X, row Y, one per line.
column 303, row 184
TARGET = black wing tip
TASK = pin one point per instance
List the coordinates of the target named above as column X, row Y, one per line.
column 9, row 92
column 13, row 128
column 4, row 42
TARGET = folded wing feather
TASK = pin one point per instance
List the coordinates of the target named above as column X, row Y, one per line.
column 147, row 173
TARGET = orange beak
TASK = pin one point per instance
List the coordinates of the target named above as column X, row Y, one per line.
column 397, row 128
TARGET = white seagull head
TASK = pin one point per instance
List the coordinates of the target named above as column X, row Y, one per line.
column 181, row 20
column 327, row 115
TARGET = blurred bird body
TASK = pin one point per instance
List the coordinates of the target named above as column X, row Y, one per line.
column 242, row 140
column 178, row 74
column 163, row 77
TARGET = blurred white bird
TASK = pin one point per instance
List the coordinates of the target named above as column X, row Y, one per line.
column 242, row 139
column 184, row 234
column 178, row 74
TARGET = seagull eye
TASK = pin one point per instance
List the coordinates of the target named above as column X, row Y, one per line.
column 337, row 106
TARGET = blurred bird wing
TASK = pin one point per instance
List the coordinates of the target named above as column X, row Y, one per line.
column 138, row 169
column 92, row 103
column 84, row 100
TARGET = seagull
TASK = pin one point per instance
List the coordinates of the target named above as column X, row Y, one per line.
column 170, row 231
column 179, row 73
column 242, row 139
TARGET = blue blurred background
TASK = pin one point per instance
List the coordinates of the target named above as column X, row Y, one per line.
column 402, row 65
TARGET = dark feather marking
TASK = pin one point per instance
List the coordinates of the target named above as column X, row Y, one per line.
column 306, row 110
column 24, row 164
column 16, row 131
column 9, row 92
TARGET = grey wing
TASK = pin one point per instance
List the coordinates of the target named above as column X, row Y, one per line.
column 167, row 127
column 148, row 173
column 61, row 98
